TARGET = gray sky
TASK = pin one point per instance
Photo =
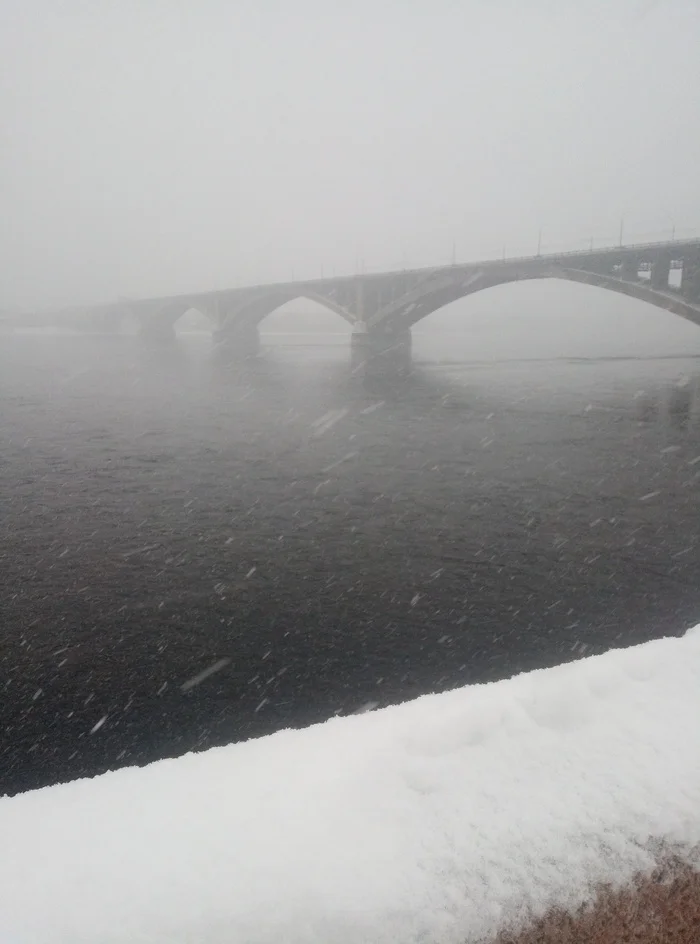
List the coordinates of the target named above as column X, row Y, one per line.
column 158, row 146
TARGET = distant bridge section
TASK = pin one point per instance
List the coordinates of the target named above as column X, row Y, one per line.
column 382, row 307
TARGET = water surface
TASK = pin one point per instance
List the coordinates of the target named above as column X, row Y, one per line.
column 322, row 543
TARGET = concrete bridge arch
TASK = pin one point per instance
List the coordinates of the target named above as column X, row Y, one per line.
column 404, row 314
column 238, row 324
column 234, row 317
column 382, row 307
column 253, row 311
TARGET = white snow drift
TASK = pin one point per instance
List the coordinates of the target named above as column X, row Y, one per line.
column 436, row 821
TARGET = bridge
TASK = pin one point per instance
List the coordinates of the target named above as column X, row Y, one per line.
column 382, row 307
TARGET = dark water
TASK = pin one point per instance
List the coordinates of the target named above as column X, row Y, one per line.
column 340, row 543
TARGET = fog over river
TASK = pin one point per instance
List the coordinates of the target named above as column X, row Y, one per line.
column 193, row 552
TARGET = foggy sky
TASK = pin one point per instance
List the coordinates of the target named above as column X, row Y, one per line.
column 160, row 146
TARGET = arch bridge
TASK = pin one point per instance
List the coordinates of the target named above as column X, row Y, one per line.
column 382, row 307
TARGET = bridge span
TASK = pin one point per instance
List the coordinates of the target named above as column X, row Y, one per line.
column 382, row 307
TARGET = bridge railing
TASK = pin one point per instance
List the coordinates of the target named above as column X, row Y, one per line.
column 598, row 250
column 625, row 248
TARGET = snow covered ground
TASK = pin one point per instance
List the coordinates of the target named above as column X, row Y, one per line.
column 437, row 821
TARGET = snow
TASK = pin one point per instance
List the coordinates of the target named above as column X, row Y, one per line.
column 204, row 674
column 436, row 821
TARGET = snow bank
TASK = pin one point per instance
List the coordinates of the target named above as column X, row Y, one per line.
column 437, row 821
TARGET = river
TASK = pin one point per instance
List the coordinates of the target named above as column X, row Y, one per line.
column 194, row 552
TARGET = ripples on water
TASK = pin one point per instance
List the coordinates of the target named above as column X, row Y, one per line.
column 193, row 553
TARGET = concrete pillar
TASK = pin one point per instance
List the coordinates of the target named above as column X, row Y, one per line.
column 237, row 341
column 690, row 279
column 629, row 270
column 660, row 271
column 380, row 354
column 360, row 300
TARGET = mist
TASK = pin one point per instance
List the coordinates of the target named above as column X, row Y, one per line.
column 151, row 148
column 306, row 412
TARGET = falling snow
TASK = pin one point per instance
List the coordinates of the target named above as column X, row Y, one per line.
column 98, row 725
column 204, row 674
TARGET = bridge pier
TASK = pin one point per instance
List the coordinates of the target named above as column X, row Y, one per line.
column 237, row 342
column 660, row 272
column 381, row 354
column 690, row 279
column 629, row 270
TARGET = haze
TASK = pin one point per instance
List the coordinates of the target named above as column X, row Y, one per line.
column 163, row 146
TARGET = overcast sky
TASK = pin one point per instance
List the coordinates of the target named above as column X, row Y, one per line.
column 159, row 146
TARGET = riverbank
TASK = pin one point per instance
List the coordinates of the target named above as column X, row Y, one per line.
column 451, row 818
